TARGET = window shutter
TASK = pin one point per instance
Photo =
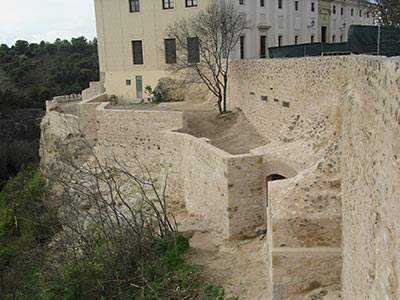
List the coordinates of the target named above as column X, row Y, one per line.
column 137, row 52
column 193, row 50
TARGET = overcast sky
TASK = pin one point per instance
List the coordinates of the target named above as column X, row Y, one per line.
column 37, row 20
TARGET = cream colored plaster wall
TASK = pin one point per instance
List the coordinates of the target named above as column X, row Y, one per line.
column 115, row 83
column 371, row 180
column 117, row 28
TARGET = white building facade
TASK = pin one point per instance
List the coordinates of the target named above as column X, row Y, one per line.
column 132, row 41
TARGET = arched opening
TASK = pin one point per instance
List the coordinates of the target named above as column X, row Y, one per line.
column 274, row 177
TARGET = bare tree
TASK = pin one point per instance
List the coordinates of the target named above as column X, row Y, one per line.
column 109, row 209
column 204, row 44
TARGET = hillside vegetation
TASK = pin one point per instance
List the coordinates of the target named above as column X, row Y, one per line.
column 31, row 73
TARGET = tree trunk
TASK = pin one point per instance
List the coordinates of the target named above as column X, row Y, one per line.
column 224, row 91
column 219, row 104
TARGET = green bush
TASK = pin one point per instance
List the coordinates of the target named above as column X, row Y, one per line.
column 26, row 225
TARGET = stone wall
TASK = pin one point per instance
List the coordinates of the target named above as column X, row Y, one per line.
column 371, row 180
column 309, row 269
column 285, row 99
column 335, row 123
column 295, row 103
column 87, row 115
column 224, row 189
column 342, row 114
column 95, row 88
column 130, row 133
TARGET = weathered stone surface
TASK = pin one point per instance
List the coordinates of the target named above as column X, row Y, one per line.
column 339, row 144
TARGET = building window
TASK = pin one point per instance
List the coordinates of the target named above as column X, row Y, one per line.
column 312, row 6
column 191, row 3
column 167, row 4
column 341, row 38
column 341, row 11
column 241, row 2
column 137, row 52
column 312, row 38
column 279, row 3
column 242, row 39
column 334, row 9
column 263, row 46
column 128, row 82
column 367, row 14
column 296, row 39
column 193, row 50
column 360, row 13
column 280, row 40
column 333, row 38
column 170, row 51
column 352, row 12
column 262, row 3
column 134, row 6
column 296, row 5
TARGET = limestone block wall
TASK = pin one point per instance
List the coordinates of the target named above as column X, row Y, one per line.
column 288, row 99
column 87, row 115
column 224, row 189
column 246, row 210
column 371, row 180
column 305, row 212
column 95, row 88
column 309, row 269
column 295, row 103
column 127, row 133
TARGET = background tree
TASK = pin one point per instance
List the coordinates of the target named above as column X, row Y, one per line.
column 388, row 12
column 204, row 43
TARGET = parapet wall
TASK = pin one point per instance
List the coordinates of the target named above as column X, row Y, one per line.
column 87, row 115
column 371, row 179
column 285, row 98
column 335, row 120
column 95, row 88
column 224, row 189
column 127, row 133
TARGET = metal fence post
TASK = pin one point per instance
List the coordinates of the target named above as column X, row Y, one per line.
column 379, row 38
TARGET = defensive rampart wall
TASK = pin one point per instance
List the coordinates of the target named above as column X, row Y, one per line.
column 333, row 123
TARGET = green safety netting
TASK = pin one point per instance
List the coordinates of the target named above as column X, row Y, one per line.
column 364, row 40
column 361, row 40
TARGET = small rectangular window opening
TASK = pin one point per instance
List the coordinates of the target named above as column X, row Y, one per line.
column 168, row 4
column 193, row 50
column 242, row 43
column 134, row 6
column 170, row 51
column 191, row 3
